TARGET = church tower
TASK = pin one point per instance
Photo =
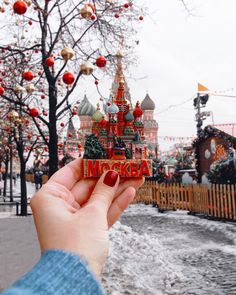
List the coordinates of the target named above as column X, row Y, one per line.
column 150, row 124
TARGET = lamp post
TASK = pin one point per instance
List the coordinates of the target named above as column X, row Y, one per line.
column 199, row 102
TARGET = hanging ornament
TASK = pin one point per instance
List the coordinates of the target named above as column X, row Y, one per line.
column 87, row 68
column 49, row 62
column 62, row 124
column 20, row 7
column 86, row 12
column 101, row 61
column 34, row 112
column 126, row 5
column 68, row 78
column 28, row 76
column 28, row 2
column 96, row 82
column 2, row 90
column 141, row 17
column 67, row 53
column 92, row 6
column 19, row 89
column 30, row 88
column 116, row 15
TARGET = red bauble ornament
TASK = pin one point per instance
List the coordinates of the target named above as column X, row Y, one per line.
column 68, row 78
column 30, row 22
column 116, row 15
column 49, row 62
column 43, row 96
column 70, row 135
column 28, row 76
column 79, row 146
column 2, row 90
column 62, row 124
column 126, row 5
column 96, row 82
column 101, row 61
column 141, row 17
column 34, row 112
column 20, row 7
column 93, row 17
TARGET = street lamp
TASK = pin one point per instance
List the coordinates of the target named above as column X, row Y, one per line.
column 199, row 102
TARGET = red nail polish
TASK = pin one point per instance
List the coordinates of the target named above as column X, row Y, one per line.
column 110, row 178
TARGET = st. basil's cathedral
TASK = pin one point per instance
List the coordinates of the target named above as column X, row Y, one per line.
column 117, row 118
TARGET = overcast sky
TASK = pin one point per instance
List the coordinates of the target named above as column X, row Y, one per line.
column 177, row 51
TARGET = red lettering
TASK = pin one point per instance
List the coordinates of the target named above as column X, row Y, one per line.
column 144, row 169
column 124, row 169
column 134, row 169
column 105, row 167
column 93, row 168
column 116, row 167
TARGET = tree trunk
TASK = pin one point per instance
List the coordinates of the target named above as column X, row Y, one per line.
column 23, row 189
column 5, row 179
column 53, row 138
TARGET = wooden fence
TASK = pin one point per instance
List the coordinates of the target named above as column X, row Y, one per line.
column 214, row 200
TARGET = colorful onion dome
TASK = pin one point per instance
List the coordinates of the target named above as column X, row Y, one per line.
column 86, row 108
column 137, row 111
column 148, row 104
column 98, row 115
column 113, row 109
column 129, row 117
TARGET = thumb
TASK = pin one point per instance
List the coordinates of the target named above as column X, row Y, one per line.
column 105, row 190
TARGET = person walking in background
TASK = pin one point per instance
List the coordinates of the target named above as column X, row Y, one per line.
column 1, row 183
column 72, row 217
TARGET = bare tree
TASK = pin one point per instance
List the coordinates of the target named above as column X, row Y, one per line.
column 60, row 42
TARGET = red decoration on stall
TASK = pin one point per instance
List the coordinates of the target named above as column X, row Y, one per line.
column 68, row 78
column 34, row 112
column 28, row 76
column 101, row 61
column 96, row 82
column 126, row 5
column 141, row 17
column 20, row 7
column 49, row 62
column 62, row 124
column 116, row 15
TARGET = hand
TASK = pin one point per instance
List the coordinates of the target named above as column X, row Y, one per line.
column 74, row 214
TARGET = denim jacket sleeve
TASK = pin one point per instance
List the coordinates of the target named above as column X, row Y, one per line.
column 57, row 273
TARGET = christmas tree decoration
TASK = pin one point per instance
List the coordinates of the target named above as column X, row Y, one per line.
column 68, row 78
column 67, row 53
column 141, row 17
column 34, row 112
column 29, row 76
column 49, row 62
column 87, row 68
column 62, row 124
column 101, row 61
column 86, row 12
column 20, row 7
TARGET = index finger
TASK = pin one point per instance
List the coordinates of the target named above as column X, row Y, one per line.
column 69, row 175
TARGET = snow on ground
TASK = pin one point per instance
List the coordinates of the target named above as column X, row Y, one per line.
column 150, row 253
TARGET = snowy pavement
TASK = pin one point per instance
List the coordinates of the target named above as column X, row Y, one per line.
column 150, row 253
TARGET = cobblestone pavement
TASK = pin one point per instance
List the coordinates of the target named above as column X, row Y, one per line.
column 172, row 253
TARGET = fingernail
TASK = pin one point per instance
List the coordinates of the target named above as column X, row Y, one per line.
column 110, row 178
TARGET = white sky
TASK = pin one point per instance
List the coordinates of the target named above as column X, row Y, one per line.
column 177, row 51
